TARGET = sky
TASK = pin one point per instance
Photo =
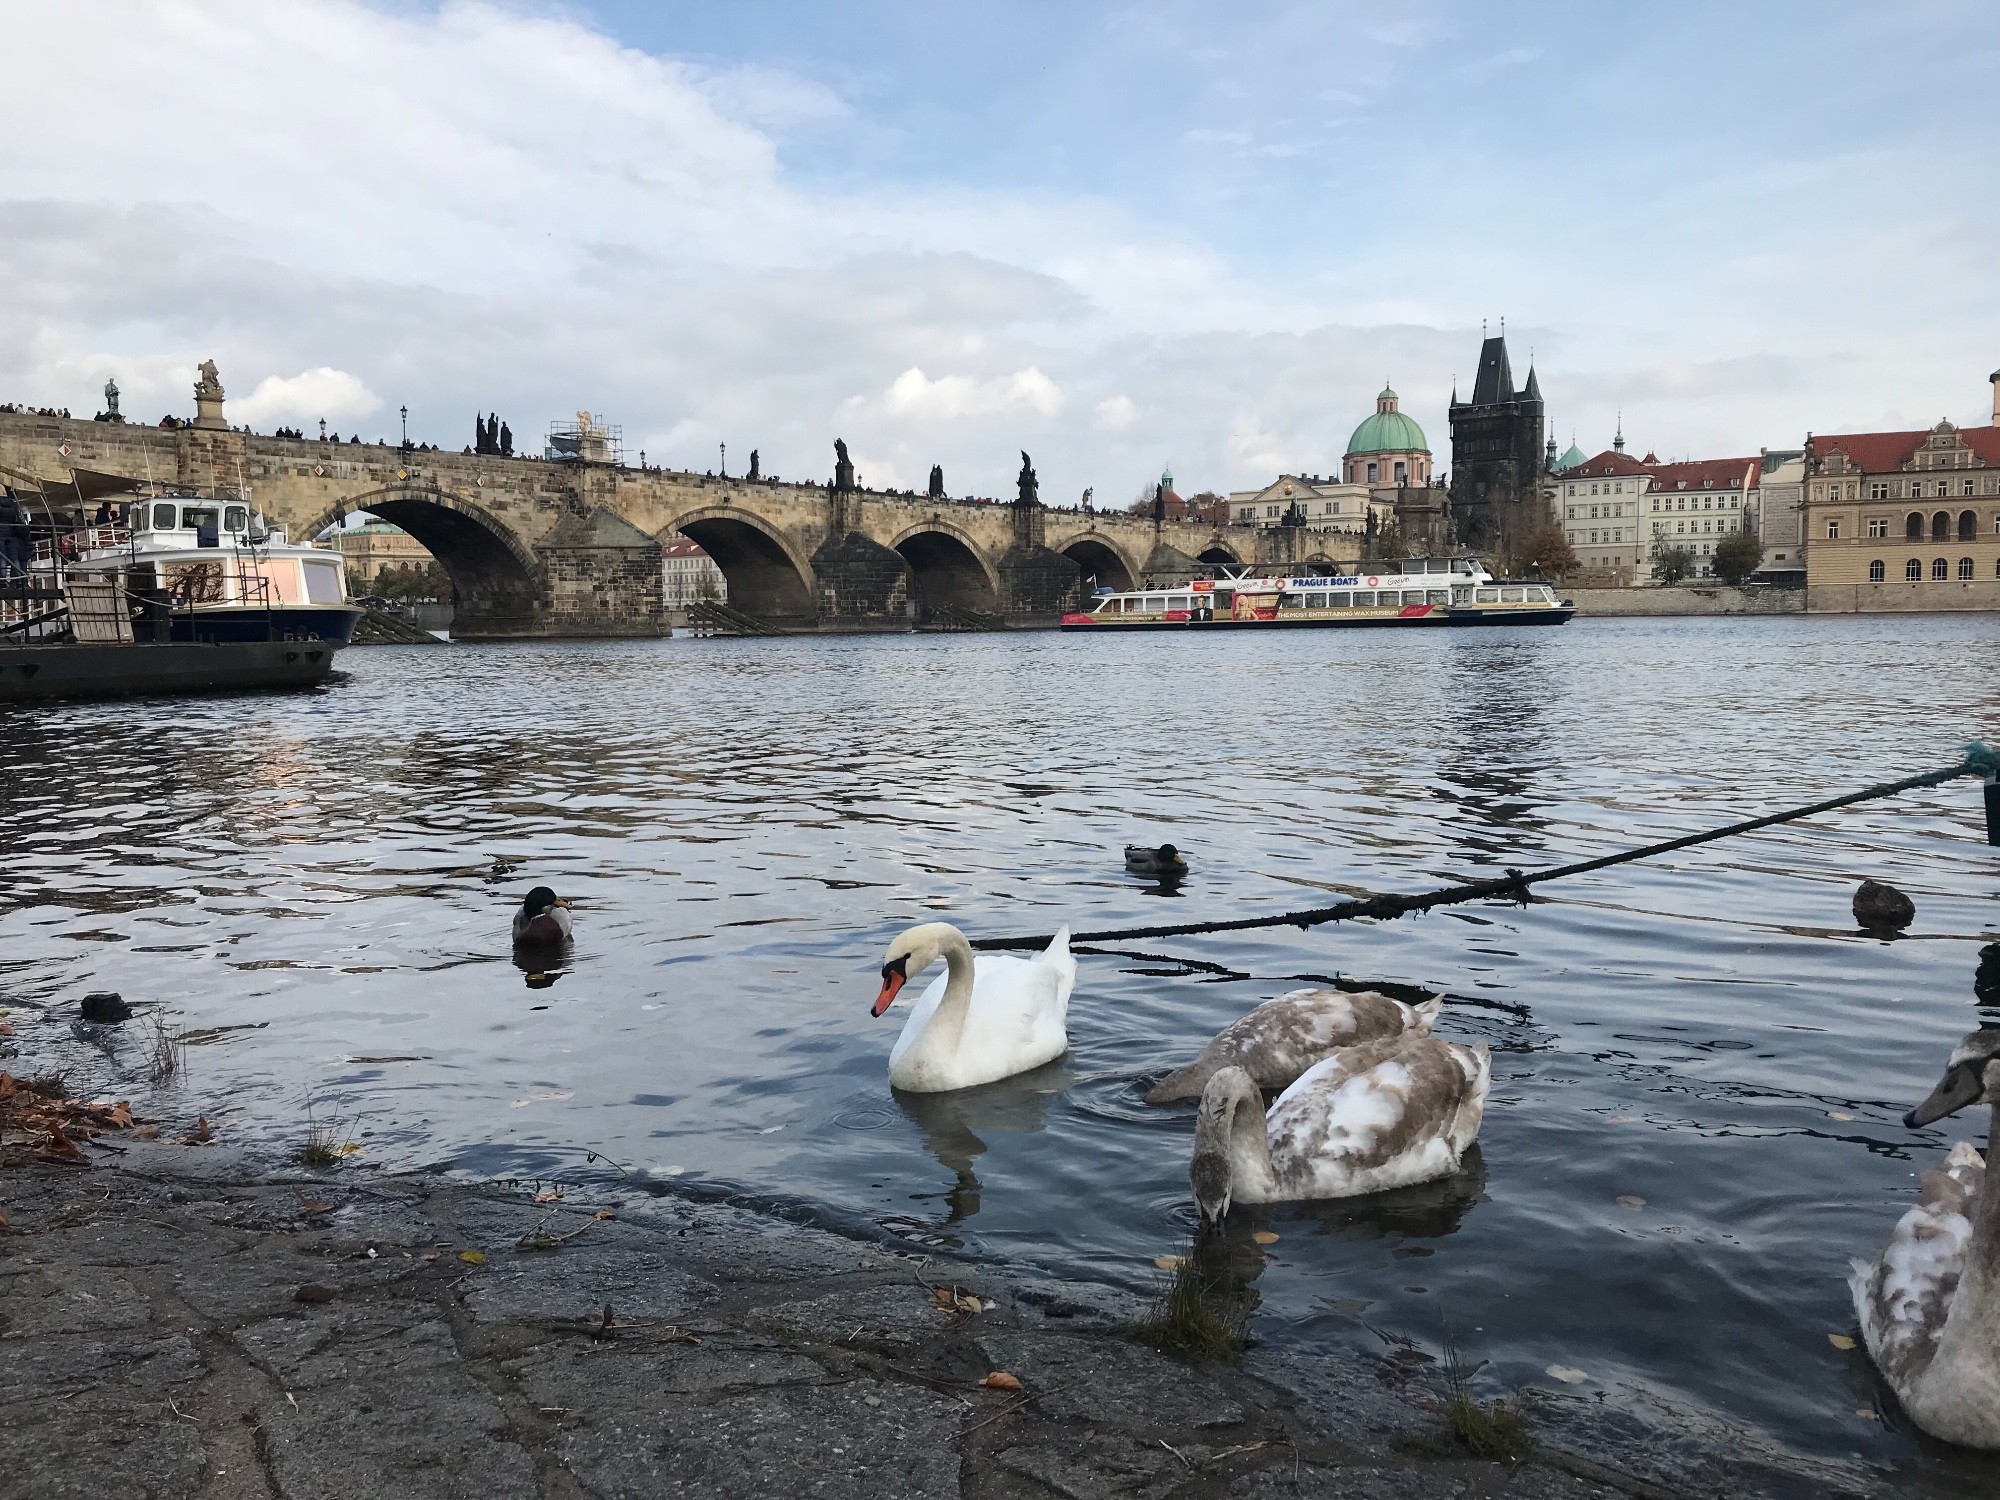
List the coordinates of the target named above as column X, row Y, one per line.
column 1122, row 238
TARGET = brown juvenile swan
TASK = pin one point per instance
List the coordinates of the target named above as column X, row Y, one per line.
column 1930, row 1305
column 1281, row 1038
column 1382, row 1115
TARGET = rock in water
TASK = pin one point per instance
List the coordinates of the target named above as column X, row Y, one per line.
column 106, row 1006
column 1883, row 908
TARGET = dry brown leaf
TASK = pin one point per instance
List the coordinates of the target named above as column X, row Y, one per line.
column 1265, row 1237
column 548, row 1195
column 1840, row 1341
column 473, row 1257
column 62, row 1145
column 1838, row 1114
column 604, row 1213
column 146, row 1133
column 1000, row 1380
column 6, row 1029
column 1631, row 1200
column 203, row 1135
column 1170, row 1262
column 3, row 1218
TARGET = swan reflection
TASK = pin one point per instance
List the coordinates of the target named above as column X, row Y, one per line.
column 957, row 1125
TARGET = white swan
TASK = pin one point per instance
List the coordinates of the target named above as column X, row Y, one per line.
column 1281, row 1038
column 979, row 1020
column 1382, row 1115
column 1930, row 1305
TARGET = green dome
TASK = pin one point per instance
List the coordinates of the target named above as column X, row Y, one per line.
column 1387, row 431
column 1571, row 459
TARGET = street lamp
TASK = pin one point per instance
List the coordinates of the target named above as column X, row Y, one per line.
column 406, row 429
column 725, row 459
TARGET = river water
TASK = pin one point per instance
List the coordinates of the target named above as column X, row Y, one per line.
column 1699, row 1065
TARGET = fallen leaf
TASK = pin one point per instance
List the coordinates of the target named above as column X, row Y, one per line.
column 62, row 1145
column 1000, row 1380
column 309, row 1205
column 1838, row 1114
column 1865, row 1411
column 604, row 1213
column 1631, row 1200
column 548, row 1195
column 430, row 1255
column 1265, row 1237
column 3, row 1219
column 146, row 1133
column 6, row 1029
column 346, row 1149
column 1568, row 1374
column 118, row 1116
column 1170, row 1262
column 1840, row 1341
column 203, row 1135
column 473, row 1257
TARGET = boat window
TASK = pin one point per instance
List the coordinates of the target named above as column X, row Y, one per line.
column 236, row 518
column 1341, row 599
column 322, row 582
column 1489, row 596
column 1510, row 596
column 1155, row 603
column 1362, row 598
column 1320, row 600
column 1439, row 596
column 135, row 516
column 163, row 518
column 1461, row 596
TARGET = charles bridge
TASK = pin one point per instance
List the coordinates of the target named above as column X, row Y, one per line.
column 571, row 547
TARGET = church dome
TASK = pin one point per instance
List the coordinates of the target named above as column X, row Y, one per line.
column 1570, row 459
column 1388, row 431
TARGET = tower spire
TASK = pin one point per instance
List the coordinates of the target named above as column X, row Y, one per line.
column 1618, row 442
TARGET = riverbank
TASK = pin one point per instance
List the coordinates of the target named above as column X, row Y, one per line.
column 182, row 1324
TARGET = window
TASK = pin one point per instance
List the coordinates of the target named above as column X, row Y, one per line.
column 1879, row 490
column 1876, row 572
column 1913, row 526
column 1833, row 528
column 1965, row 570
column 1941, row 526
column 1967, row 489
column 1402, row 472
column 163, row 518
column 1878, row 526
column 1913, row 570
column 1968, row 526
column 236, row 518
column 1374, row 473
column 1940, row 569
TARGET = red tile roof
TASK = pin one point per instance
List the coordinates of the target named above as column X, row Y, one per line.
column 682, row 546
column 1609, row 462
column 1885, row 452
column 1708, row 474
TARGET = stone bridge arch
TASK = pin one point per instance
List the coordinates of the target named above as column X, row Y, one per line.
column 947, row 568
column 1218, row 556
column 766, row 575
column 495, row 575
column 1097, row 554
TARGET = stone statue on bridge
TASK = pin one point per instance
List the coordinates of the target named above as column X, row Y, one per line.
column 755, row 473
column 504, row 442
column 1029, row 487
column 111, row 413
column 936, row 490
column 210, row 384
column 843, row 466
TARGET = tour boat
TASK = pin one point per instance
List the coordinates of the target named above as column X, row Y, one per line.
column 1419, row 591
column 174, row 592
column 207, row 569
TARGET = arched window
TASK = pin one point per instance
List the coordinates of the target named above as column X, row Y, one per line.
column 1913, row 570
column 1965, row 570
column 1968, row 526
column 1940, row 569
column 1941, row 526
column 1913, row 526
column 1876, row 572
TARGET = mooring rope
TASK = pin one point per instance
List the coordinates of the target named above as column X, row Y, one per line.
column 1980, row 760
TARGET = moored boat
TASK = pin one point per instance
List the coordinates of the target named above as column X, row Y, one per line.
column 1414, row 592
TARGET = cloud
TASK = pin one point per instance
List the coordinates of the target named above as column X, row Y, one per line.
column 305, row 397
column 1114, row 414
column 915, row 394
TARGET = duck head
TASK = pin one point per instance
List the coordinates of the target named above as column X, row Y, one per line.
column 911, row 954
column 539, row 900
column 1971, row 1077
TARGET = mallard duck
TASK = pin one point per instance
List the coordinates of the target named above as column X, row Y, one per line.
column 1164, row 862
column 1383, row 1115
column 1929, row 1305
column 1880, row 907
column 1281, row 1038
column 980, row 1020
column 542, row 921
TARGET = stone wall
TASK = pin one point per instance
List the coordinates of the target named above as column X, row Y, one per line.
column 1903, row 598
column 1704, row 599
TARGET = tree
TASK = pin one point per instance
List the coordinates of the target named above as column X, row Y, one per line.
column 1546, row 551
column 1671, row 563
column 1389, row 542
column 1737, row 556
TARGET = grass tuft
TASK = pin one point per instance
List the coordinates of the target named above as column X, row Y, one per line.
column 325, row 1144
column 1496, row 1431
column 1195, row 1316
column 51, row 1085
column 169, row 1052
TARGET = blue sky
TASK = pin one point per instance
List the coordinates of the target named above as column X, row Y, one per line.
column 1120, row 237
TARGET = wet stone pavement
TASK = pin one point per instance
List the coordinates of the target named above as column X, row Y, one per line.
column 181, row 1325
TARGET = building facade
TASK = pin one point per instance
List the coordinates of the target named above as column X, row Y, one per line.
column 1497, row 455
column 367, row 549
column 1385, row 479
column 1780, row 515
column 1599, row 503
column 1694, row 505
column 689, row 575
column 1904, row 520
